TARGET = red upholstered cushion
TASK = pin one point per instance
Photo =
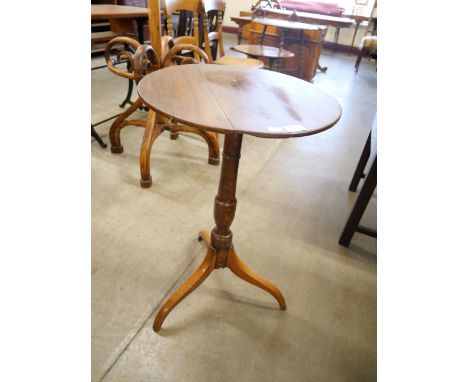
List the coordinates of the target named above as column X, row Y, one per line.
column 312, row 7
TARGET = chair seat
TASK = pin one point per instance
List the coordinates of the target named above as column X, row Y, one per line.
column 369, row 42
column 240, row 61
column 263, row 51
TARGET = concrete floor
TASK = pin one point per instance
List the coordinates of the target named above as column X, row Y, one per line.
column 292, row 204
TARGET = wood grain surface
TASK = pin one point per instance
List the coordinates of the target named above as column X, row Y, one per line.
column 237, row 100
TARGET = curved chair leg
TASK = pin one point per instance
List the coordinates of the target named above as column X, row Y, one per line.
column 200, row 274
column 213, row 146
column 114, row 132
column 245, row 273
column 210, row 138
column 152, row 131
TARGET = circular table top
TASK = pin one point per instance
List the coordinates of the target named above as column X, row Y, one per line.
column 233, row 100
column 263, row 51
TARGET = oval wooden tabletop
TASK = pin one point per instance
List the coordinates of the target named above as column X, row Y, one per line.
column 296, row 25
column 110, row 11
column 263, row 51
column 230, row 100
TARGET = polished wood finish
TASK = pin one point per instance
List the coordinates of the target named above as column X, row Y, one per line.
column 142, row 63
column 239, row 100
column 359, row 172
column 236, row 101
column 220, row 250
column 304, row 40
column 352, row 224
column 196, row 8
column 154, row 17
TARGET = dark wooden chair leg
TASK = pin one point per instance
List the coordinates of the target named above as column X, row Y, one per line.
column 359, row 172
column 96, row 136
column 359, row 58
column 128, row 97
column 352, row 225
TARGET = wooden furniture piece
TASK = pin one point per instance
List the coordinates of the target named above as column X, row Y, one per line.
column 192, row 28
column 370, row 183
column 216, row 37
column 120, row 20
column 236, row 101
column 273, row 54
column 309, row 18
column 120, row 17
column 294, row 36
column 368, row 47
column 241, row 22
column 369, row 42
column 359, row 19
column 144, row 62
column 100, row 30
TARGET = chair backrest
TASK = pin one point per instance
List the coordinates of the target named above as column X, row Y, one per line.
column 214, row 13
column 195, row 7
column 175, row 56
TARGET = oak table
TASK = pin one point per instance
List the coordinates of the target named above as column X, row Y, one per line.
column 234, row 101
column 120, row 17
column 314, row 18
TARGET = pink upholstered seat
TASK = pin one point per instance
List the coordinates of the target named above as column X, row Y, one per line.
column 312, row 7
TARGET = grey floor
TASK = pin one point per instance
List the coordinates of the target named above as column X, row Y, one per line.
column 292, row 204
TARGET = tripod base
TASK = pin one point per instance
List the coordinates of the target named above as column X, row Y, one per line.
column 216, row 259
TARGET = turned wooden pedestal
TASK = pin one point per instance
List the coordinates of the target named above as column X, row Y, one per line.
column 220, row 249
column 234, row 101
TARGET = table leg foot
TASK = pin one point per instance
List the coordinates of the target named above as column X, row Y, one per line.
column 197, row 277
column 152, row 131
column 118, row 124
column 245, row 273
column 323, row 69
column 213, row 160
column 206, row 237
column 117, row 149
column 146, row 183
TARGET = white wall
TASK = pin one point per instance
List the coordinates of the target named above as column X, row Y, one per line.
column 233, row 7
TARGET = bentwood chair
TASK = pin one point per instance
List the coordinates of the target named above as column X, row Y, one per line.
column 144, row 61
column 215, row 11
column 157, row 124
